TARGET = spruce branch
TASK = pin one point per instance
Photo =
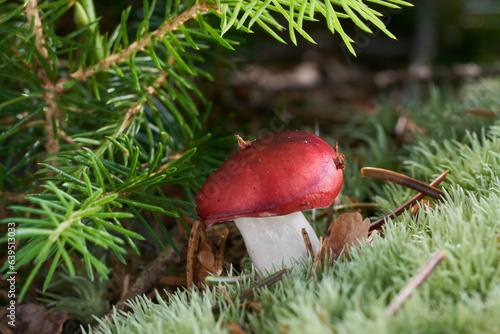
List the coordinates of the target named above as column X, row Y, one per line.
column 33, row 17
column 140, row 45
column 244, row 14
column 52, row 124
column 131, row 112
column 52, row 114
column 128, row 117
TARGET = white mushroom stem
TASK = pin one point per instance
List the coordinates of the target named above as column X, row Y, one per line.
column 271, row 241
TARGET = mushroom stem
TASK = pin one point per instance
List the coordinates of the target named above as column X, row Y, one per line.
column 271, row 241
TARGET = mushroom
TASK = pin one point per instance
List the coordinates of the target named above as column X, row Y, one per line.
column 265, row 185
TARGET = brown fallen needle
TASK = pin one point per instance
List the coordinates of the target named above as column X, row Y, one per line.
column 248, row 293
column 318, row 256
column 377, row 224
column 415, row 281
column 403, row 180
column 219, row 253
column 308, row 244
column 194, row 241
column 488, row 113
column 345, row 207
column 153, row 272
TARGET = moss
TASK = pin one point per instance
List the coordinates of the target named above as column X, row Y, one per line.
column 461, row 296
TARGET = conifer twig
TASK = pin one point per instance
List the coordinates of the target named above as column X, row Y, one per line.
column 129, row 116
column 33, row 17
column 50, row 95
column 348, row 206
column 158, row 34
column 416, row 281
column 246, row 294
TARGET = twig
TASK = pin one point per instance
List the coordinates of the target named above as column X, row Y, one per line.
column 246, row 294
column 371, row 236
column 152, row 273
column 307, row 241
column 158, row 34
column 487, row 113
column 404, row 180
column 125, row 122
column 270, row 280
column 219, row 253
column 126, row 285
column 226, row 295
column 50, row 94
column 319, row 255
column 380, row 222
column 33, row 17
column 134, row 109
column 227, row 279
column 194, row 241
column 15, row 198
column 348, row 206
column 235, row 327
column 416, row 281
column 52, row 123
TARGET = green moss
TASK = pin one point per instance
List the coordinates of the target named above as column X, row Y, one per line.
column 461, row 296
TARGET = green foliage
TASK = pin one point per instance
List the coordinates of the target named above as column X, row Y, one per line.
column 460, row 296
column 96, row 125
column 244, row 14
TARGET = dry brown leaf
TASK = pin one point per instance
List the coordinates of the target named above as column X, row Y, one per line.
column 206, row 262
column 346, row 231
column 32, row 318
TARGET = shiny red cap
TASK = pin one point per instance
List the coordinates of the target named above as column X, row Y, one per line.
column 272, row 176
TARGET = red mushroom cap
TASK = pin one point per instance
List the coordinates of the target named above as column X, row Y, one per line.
column 272, row 176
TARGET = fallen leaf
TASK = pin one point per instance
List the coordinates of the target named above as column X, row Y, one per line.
column 346, row 231
column 32, row 318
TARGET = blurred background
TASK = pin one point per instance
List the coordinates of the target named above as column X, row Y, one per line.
column 444, row 43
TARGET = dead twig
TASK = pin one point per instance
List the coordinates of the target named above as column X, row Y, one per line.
column 219, row 253
column 380, row 222
column 248, row 293
column 152, row 273
column 344, row 207
column 226, row 295
column 50, row 95
column 415, row 281
column 307, row 241
column 487, row 113
column 158, row 34
column 403, row 180
column 194, row 242
column 371, row 236
column 14, row 198
column 319, row 255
